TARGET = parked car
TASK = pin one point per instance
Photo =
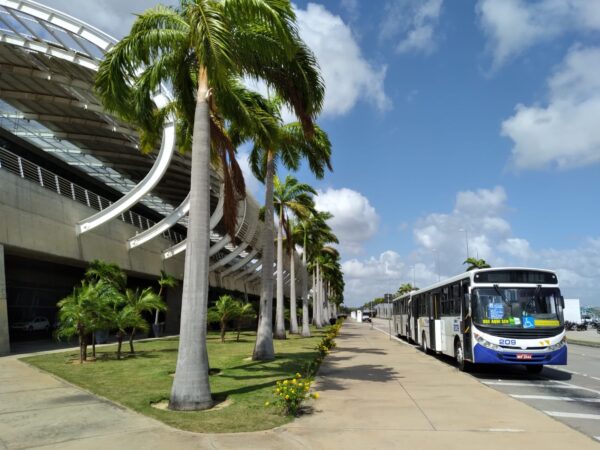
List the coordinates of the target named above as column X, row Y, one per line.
column 366, row 317
column 37, row 323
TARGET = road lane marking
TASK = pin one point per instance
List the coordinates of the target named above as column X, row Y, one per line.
column 551, row 397
column 597, row 437
column 595, row 378
column 568, row 415
column 511, row 383
column 577, row 387
column 565, row 370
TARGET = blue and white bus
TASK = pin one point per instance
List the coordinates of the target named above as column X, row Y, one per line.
column 509, row 315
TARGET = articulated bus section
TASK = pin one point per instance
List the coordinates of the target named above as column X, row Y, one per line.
column 488, row 316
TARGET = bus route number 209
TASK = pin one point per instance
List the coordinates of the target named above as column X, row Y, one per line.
column 508, row 342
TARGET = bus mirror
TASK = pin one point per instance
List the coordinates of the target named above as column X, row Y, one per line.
column 562, row 302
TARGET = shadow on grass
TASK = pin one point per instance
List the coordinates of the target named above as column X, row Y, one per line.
column 243, row 390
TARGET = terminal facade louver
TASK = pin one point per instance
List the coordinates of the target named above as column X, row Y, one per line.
column 74, row 186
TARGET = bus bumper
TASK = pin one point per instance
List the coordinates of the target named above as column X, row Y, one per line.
column 482, row 355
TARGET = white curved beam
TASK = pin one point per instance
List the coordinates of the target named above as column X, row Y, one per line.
column 248, row 270
column 240, row 264
column 220, row 263
column 214, row 220
column 161, row 226
column 143, row 187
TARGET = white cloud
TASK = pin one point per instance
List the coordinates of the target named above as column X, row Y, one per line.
column 348, row 76
column 375, row 276
column 565, row 132
column 483, row 214
column 414, row 21
column 253, row 185
column 354, row 219
column 513, row 26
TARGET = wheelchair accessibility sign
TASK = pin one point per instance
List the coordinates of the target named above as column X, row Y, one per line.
column 528, row 322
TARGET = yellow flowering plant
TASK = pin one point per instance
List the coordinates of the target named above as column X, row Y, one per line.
column 289, row 394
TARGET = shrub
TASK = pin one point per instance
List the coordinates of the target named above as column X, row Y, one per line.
column 289, row 394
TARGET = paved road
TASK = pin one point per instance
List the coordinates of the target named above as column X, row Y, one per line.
column 570, row 394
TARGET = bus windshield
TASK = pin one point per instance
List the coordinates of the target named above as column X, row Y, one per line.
column 530, row 307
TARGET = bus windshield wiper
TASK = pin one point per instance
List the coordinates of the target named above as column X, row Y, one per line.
column 501, row 294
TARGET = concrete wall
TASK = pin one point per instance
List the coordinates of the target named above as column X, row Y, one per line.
column 35, row 220
column 4, row 339
column 38, row 220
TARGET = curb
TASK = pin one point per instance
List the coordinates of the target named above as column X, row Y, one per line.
column 585, row 343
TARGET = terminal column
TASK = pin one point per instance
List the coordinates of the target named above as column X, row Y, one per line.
column 4, row 340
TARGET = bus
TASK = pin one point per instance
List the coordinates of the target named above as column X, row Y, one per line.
column 508, row 315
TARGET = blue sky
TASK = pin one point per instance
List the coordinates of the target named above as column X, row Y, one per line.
column 481, row 115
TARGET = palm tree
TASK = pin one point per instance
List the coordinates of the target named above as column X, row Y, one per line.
column 406, row 288
column 202, row 50
column 288, row 145
column 289, row 197
column 246, row 312
column 126, row 318
column 82, row 312
column 109, row 272
column 164, row 281
column 475, row 263
column 226, row 308
column 146, row 300
column 317, row 233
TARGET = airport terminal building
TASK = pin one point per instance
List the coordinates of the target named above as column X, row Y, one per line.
column 74, row 186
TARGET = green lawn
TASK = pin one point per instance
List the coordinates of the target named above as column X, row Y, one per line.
column 138, row 381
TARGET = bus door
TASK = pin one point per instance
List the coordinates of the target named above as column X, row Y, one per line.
column 434, row 312
column 414, row 325
column 466, row 321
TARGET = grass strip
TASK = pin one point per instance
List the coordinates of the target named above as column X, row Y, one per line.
column 146, row 378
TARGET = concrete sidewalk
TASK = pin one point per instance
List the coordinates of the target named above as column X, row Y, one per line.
column 375, row 393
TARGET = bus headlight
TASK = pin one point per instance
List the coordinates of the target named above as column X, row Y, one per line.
column 558, row 345
column 486, row 343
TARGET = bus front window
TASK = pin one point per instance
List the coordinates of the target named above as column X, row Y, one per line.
column 517, row 307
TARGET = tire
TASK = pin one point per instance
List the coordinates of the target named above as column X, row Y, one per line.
column 459, row 354
column 534, row 369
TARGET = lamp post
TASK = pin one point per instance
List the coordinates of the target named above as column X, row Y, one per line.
column 466, row 239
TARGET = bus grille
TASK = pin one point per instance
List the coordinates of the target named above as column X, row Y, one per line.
column 522, row 333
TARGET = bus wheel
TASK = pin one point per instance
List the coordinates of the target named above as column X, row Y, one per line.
column 459, row 354
column 534, row 369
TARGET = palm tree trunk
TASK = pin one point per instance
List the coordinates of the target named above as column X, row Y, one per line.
column 81, row 348
column 293, row 316
column 263, row 349
column 305, row 318
column 191, row 387
column 156, row 313
column 314, row 315
column 94, row 344
column 279, row 309
column 222, row 331
column 131, row 350
column 319, row 299
column 119, row 343
column 239, row 329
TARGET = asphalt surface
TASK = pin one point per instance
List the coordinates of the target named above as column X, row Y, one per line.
column 569, row 394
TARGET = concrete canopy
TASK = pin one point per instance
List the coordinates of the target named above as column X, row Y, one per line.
column 48, row 62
